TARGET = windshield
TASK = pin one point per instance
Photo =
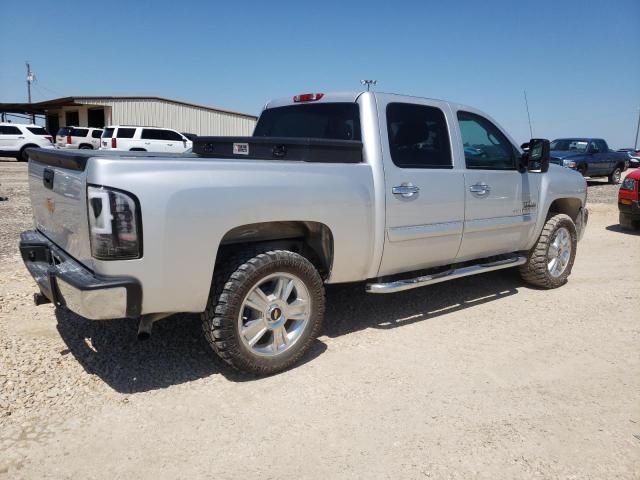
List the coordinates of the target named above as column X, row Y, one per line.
column 339, row 121
column 570, row 144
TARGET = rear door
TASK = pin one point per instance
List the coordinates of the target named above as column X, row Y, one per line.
column 500, row 200
column 175, row 142
column 424, row 189
column 95, row 138
column 154, row 140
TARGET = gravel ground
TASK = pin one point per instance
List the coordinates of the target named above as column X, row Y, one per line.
column 477, row 378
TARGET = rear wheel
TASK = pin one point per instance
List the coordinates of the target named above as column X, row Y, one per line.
column 550, row 261
column 86, row 147
column 267, row 313
column 615, row 176
column 22, row 155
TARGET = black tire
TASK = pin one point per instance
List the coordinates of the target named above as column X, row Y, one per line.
column 627, row 223
column 138, row 150
column 233, row 280
column 535, row 271
column 583, row 170
column 615, row 176
column 86, row 147
column 22, row 155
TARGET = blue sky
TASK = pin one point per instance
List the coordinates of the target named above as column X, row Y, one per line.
column 579, row 61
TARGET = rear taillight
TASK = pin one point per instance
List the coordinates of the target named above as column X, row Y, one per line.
column 308, row 97
column 114, row 143
column 68, row 139
column 114, row 223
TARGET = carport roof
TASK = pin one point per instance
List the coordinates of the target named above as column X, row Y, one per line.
column 42, row 107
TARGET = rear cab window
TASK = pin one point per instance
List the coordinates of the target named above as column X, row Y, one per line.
column 338, row 121
column 107, row 133
column 96, row 134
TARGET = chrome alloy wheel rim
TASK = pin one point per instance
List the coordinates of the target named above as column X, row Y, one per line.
column 559, row 252
column 274, row 314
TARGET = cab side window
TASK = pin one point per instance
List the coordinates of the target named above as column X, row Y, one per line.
column 418, row 136
column 9, row 130
column 485, row 146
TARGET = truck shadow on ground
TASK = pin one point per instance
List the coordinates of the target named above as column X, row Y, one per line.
column 618, row 229
column 177, row 351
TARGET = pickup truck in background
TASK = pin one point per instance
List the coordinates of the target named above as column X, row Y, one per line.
column 589, row 156
column 397, row 191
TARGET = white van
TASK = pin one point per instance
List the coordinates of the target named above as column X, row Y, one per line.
column 144, row 139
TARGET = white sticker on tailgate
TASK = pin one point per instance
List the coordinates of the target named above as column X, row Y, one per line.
column 241, row 149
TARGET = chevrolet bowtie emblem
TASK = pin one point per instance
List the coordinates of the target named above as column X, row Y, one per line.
column 51, row 205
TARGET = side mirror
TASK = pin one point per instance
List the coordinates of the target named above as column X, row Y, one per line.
column 538, row 155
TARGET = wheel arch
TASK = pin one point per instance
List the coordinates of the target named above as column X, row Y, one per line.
column 569, row 206
column 23, row 148
column 86, row 145
column 313, row 240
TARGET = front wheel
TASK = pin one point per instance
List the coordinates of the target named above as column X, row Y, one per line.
column 268, row 313
column 615, row 176
column 550, row 261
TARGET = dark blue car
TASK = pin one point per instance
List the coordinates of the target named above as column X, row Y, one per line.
column 589, row 156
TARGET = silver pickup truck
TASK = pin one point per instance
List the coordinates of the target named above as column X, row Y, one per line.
column 397, row 191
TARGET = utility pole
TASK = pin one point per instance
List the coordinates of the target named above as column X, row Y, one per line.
column 635, row 144
column 526, row 103
column 29, row 81
column 368, row 83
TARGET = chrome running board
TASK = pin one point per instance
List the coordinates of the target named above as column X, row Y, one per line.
column 451, row 274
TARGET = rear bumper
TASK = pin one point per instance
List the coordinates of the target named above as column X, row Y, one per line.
column 632, row 210
column 67, row 283
column 581, row 224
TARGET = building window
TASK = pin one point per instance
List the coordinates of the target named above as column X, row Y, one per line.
column 72, row 119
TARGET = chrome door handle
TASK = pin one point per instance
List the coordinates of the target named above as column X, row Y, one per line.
column 406, row 190
column 480, row 189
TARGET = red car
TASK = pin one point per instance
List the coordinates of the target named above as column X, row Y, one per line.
column 629, row 201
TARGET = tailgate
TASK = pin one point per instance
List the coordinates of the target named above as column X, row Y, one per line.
column 57, row 185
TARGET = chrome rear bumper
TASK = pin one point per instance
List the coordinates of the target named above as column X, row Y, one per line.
column 67, row 283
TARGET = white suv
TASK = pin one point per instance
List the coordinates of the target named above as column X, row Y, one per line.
column 79, row 137
column 144, row 139
column 15, row 138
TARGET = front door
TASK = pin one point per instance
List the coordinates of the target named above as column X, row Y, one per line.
column 599, row 163
column 500, row 200
column 423, row 187
column 10, row 137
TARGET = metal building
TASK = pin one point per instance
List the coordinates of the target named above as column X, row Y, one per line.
column 142, row 111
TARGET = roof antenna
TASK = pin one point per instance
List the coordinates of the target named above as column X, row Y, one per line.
column 526, row 103
column 368, row 83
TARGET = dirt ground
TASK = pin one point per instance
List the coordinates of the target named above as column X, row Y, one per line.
column 482, row 377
